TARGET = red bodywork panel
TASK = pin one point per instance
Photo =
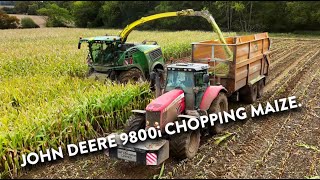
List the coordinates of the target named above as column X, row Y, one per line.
column 170, row 105
column 164, row 100
column 209, row 95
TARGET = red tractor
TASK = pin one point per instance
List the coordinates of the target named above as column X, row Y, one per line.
column 187, row 94
column 196, row 89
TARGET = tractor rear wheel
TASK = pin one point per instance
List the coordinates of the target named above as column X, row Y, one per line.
column 248, row 94
column 220, row 104
column 135, row 123
column 260, row 88
column 185, row 144
column 133, row 74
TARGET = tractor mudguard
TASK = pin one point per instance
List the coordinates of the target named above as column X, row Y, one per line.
column 209, row 95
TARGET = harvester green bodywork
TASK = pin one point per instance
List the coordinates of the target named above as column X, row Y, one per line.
column 108, row 55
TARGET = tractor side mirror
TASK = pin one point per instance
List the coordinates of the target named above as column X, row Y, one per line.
column 205, row 78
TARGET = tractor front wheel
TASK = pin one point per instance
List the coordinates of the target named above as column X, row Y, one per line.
column 185, row 144
column 135, row 123
column 131, row 75
column 220, row 104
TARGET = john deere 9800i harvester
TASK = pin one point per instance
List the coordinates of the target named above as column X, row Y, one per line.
column 112, row 57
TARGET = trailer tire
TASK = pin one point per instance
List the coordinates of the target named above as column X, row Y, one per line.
column 260, row 88
column 133, row 74
column 248, row 94
column 185, row 144
column 219, row 104
column 135, row 123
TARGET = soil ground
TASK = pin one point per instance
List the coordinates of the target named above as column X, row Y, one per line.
column 272, row 146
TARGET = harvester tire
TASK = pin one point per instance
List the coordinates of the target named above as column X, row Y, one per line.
column 135, row 123
column 260, row 88
column 219, row 104
column 133, row 74
column 162, row 80
column 185, row 144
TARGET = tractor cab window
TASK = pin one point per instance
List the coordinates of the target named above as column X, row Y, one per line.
column 181, row 79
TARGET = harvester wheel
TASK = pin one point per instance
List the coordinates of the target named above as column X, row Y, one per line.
column 90, row 72
column 185, row 144
column 132, row 74
column 162, row 80
column 220, row 104
column 248, row 94
column 135, row 123
column 260, row 88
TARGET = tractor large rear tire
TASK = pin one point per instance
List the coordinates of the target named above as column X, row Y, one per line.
column 135, row 123
column 185, row 144
column 220, row 104
column 133, row 74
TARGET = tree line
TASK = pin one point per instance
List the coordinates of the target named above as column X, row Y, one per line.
column 272, row 16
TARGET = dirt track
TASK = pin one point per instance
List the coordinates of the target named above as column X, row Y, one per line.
column 265, row 147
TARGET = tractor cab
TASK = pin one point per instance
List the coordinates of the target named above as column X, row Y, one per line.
column 192, row 78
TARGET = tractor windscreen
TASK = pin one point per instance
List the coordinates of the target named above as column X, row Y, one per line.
column 181, row 79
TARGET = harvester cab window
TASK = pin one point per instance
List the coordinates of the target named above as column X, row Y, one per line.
column 96, row 49
column 103, row 52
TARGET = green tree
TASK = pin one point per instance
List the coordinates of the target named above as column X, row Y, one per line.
column 8, row 22
column 87, row 13
column 304, row 15
column 111, row 14
column 57, row 16
column 21, row 7
column 28, row 23
column 32, row 9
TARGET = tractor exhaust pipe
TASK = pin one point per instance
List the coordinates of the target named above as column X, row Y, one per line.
column 157, row 82
column 155, row 77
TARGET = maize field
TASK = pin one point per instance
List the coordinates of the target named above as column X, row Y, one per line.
column 284, row 145
column 45, row 99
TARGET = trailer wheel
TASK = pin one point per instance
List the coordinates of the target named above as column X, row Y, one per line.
column 220, row 104
column 135, row 123
column 260, row 88
column 185, row 144
column 133, row 74
column 248, row 94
